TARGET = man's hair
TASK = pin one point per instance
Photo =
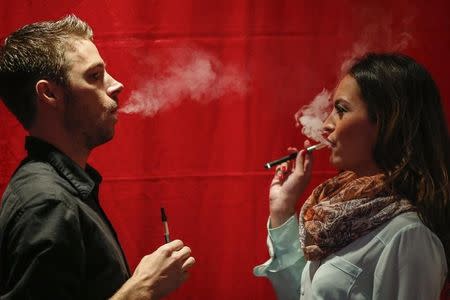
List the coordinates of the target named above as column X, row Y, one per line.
column 35, row 52
column 412, row 146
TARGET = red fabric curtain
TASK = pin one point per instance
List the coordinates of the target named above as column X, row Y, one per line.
column 202, row 158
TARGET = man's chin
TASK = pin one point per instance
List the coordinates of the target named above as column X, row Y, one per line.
column 103, row 139
column 107, row 137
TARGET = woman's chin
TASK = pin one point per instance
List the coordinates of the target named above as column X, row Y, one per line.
column 336, row 162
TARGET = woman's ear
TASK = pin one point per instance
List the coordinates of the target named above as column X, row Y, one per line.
column 49, row 93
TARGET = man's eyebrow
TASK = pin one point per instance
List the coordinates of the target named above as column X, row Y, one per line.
column 96, row 65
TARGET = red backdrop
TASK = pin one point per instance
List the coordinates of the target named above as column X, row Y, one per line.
column 203, row 161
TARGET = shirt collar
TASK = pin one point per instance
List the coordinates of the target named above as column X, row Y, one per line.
column 84, row 181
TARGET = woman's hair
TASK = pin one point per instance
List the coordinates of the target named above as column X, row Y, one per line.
column 412, row 146
column 35, row 52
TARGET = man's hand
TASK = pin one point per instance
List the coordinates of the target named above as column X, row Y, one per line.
column 158, row 273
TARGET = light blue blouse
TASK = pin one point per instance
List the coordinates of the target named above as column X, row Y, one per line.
column 401, row 259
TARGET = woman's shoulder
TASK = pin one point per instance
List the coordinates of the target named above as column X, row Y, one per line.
column 411, row 248
column 406, row 227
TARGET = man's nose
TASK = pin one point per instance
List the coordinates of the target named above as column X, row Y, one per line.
column 114, row 87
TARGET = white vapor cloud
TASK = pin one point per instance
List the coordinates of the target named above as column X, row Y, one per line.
column 312, row 116
column 190, row 73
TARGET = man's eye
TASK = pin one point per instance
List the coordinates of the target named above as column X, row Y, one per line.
column 96, row 76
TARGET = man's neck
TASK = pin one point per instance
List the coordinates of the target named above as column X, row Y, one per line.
column 66, row 144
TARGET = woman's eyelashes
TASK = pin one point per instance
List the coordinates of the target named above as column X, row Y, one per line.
column 340, row 108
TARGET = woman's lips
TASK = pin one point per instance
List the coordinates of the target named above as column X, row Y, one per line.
column 331, row 142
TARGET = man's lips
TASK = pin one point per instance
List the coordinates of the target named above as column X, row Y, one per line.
column 114, row 110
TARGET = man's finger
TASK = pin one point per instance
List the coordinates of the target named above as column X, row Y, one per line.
column 174, row 245
column 182, row 254
column 188, row 263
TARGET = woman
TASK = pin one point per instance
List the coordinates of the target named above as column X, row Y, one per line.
column 379, row 229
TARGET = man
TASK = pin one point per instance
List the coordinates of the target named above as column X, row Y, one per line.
column 55, row 240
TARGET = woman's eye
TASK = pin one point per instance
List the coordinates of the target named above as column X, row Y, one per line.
column 340, row 109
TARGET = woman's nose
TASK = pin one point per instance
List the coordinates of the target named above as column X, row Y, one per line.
column 328, row 125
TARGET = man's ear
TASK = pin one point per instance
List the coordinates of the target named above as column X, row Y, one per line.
column 50, row 93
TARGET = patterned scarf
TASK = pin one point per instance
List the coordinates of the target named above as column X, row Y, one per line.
column 344, row 208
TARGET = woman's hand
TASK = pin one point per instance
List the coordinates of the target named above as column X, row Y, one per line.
column 287, row 185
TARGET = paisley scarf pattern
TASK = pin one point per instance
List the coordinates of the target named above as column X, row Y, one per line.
column 344, row 208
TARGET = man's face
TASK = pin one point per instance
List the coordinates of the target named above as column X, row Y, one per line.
column 91, row 99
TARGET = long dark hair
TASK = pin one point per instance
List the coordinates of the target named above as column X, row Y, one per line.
column 412, row 146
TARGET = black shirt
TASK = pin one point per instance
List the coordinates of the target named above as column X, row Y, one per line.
column 55, row 240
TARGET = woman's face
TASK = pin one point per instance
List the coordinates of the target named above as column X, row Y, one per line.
column 350, row 131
